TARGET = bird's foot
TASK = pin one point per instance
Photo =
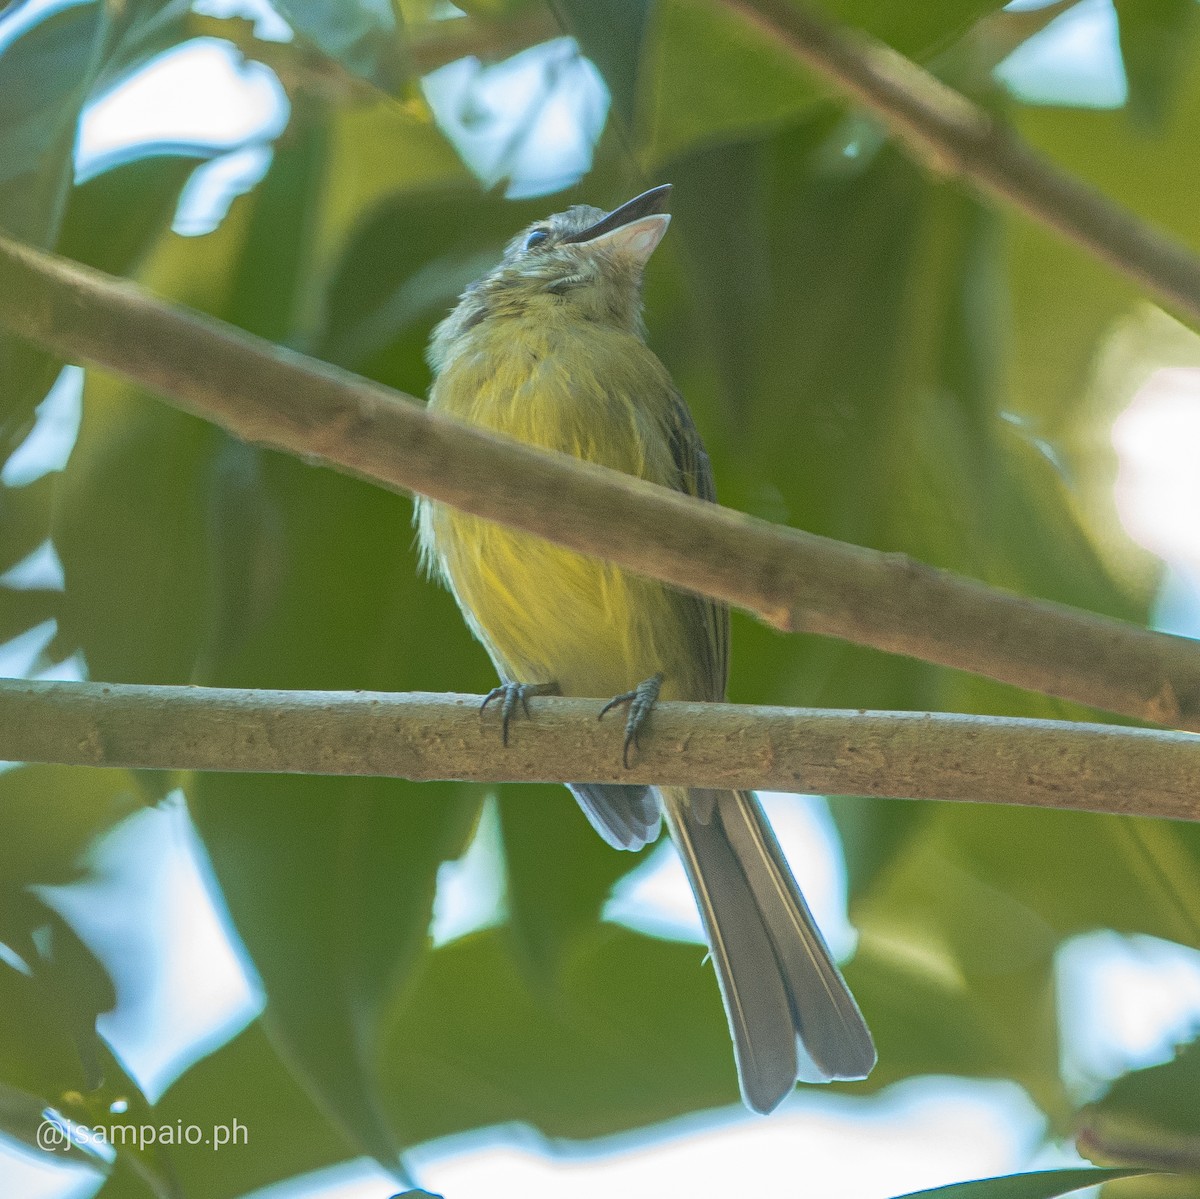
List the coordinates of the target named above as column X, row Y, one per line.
column 640, row 700
column 513, row 694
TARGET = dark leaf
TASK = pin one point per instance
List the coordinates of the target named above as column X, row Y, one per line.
column 611, row 34
column 1044, row 1184
column 1156, row 37
column 557, row 880
column 330, row 884
column 1148, row 1117
column 44, row 78
column 114, row 219
column 364, row 36
column 634, row 1034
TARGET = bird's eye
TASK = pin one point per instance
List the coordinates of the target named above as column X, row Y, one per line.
column 536, row 238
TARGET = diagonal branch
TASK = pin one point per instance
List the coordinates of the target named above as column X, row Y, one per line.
column 958, row 137
column 796, row 581
column 921, row 755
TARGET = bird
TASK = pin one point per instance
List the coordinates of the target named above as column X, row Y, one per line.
column 550, row 348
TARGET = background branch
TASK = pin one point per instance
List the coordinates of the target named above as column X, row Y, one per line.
column 797, row 581
column 429, row 46
column 957, row 137
column 1041, row 763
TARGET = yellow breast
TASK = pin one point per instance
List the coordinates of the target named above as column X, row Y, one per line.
column 546, row 614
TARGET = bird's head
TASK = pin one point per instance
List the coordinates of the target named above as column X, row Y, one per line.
column 580, row 264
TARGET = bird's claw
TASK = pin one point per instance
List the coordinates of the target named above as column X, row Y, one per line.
column 640, row 700
column 513, row 694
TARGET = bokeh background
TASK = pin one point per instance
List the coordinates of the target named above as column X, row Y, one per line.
column 467, row 976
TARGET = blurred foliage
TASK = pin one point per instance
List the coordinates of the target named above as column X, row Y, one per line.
column 1147, row 1115
column 1042, row 1184
column 870, row 353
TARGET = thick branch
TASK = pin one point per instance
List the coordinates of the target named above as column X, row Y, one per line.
column 796, row 581
column 958, row 137
column 1043, row 763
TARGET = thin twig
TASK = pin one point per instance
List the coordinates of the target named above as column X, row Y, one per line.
column 920, row 755
column 796, row 581
column 957, row 137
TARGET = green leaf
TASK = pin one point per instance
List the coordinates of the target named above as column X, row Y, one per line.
column 916, row 30
column 715, row 76
column 362, row 35
column 24, row 520
column 558, row 880
column 286, row 1133
column 50, row 815
column 400, row 270
column 720, row 236
column 958, row 933
column 1155, row 40
column 50, row 1054
column 330, row 881
column 114, row 220
column 1042, row 1184
column 1115, row 153
column 633, row 1034
column 48, row 1043
column 854, row 315
column 131, row 488
column 1148, row 1117
column 44, row 76
column 23, row 1117
column 611, row 34
column 330, row 884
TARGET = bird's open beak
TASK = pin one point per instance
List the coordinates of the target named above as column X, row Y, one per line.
column 652, row 203
column 631, row 231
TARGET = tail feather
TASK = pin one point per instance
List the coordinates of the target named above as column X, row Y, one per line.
column 790, row 1012
column 627, row 817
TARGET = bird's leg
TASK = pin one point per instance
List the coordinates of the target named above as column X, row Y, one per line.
column 513, row 694
column 640, row 700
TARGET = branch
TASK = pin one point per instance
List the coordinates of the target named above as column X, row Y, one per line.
column 920, row 755
column 429, row 45
column 1110, row 1141
column 272, row 396
column 958, row 137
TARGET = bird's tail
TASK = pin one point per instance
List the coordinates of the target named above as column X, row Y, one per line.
column 790, row 1012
